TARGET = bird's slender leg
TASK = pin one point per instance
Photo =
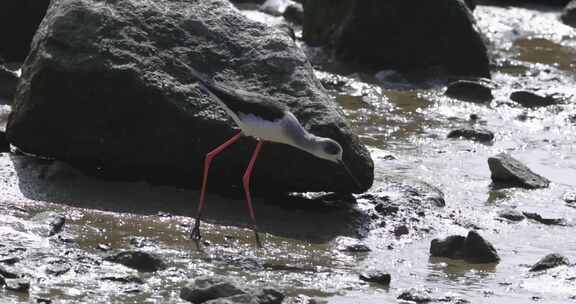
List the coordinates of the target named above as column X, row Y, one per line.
column 246, row 183
column 196, row 231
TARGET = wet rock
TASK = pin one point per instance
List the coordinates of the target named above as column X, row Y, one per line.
column 8, row 273
column 303, row 299
column 206, row 288
column 477, row 134
column 237, row 299
column 104, row 247
column 17, row 285
column 386, row 209
column 139, row 260
column 50, row 223
column 275, row 7
column 569, row 14
column 468, row 90
column 268, row 296
column 473, row 248
column 376, row 276
column 471, row 4
column 546, row 221
column 4, row 144
column 18, row 23
column 532, row 100
column 294, row 13
column 413, row 37
column 8, row 82
column 507, row 171
column 58, row 267
column 147, row 77
column 511, row 214
column 128, row 279
column 279, row 266
column 347, row 244
column 550, row 261
column 401, row 230
column 570, row 197
column 414, row 295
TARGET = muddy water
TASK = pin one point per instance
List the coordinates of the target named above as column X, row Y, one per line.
column 405, row 127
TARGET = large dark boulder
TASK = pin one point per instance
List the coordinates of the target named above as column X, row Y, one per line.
column 473, row 248
column 399, row 34
column 109, row 86
column 569, row 14
column 19, row 20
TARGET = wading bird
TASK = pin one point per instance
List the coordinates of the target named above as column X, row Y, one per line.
column 265, row 120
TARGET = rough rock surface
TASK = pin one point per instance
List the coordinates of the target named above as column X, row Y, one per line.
column 550, row 261
column 532, row 100
column 508, row 171
column 477, row 134
column 569, row 14
column 115, row 95
column 399, row 34
column 468, row 90
column 512, row 215
column 376, row 276
column 139, row 260
column 19, row 20
column 472, row 248
column 8, row 82
column 220, row 290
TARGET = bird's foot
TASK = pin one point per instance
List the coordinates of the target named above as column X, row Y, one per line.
column 195, row 235
column 257, row 237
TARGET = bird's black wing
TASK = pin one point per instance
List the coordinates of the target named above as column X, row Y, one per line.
column 239, row 101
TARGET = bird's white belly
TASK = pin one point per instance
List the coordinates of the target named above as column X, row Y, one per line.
column 255, row 126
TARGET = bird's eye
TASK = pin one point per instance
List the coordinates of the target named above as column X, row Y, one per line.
column 332, row 148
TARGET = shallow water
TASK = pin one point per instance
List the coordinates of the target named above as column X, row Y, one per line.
column 405, row 127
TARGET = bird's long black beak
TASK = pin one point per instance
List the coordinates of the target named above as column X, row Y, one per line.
column 350, row 174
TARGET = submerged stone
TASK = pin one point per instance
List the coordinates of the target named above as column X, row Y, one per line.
column 468, row 90
column 472, row 248
column 376, row 276
column 139, row 260
column 546, row 221
column 206, row 288
column 532, row 100
column 507, row 171
column 477, row 134
column 550, row 261
column 512, row 215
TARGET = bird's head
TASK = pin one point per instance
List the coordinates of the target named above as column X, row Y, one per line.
column 331, row 150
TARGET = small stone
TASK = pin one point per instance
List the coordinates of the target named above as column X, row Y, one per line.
column 268, row 296
column 416, row 296
column 507, row 171
column 4, row 144
column 58, row 268
column 375, row 276
column 550, row 261
column 401, row 230
column 9, row 274
column 207, row 288
column 386, row 209
column 481, row 135
column 139, row 260
column 17, row 285
column 473, row 248
column 477, row 249
column 294, row 13
column 473, row 91
column 50, row 223
column 532, row 100
column 104, row 247
column 546, row 221
column 570, row 197
column 512, row 215
column 356, row 248
column 123, row 279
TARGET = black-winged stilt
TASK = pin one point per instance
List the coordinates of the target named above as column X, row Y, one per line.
column 265, row 120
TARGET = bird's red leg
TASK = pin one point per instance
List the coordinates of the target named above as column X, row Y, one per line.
column 207, row 161
column 246, row 183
